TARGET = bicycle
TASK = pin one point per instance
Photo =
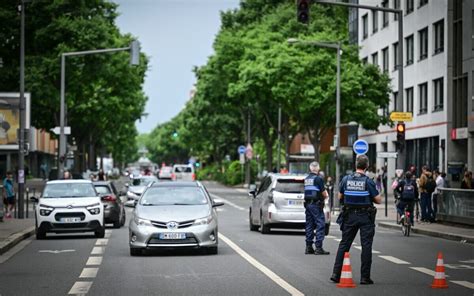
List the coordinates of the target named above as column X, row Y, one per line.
column 405, row 221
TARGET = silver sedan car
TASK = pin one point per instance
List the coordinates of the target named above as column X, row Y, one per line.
column 174, row 215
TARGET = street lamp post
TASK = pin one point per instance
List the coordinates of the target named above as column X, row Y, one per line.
column 337, row 47
column 134, row 60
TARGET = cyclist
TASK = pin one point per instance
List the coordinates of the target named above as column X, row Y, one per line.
column 408, row 193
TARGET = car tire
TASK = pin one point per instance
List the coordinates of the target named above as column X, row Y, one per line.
column 136, row 252
column 122, row 221
column 253, row 227
column 264, row 229
column 212, row 250
column 117, row 224
column 40, row 234
column 100, row 233
column 326, row 229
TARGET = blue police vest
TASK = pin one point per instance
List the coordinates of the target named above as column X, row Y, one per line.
column 356, row 193
column 311, row 191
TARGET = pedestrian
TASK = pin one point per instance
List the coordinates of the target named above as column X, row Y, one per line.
column 427, row 187
column 9, row 194
column 43, row 169
column 101, row 175
column 467, row 182
column 67, row 175
column 314, row 196
column 435, row 196
column 407, row 191
column 358, row 194
column 330, row 189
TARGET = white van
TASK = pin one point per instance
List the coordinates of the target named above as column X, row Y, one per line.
column 183, row 172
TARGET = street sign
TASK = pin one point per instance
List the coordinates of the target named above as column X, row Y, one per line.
column 241, row 149
column 242, row 158
column 360, row 147
column 401, row 116
column 387, row 154
column 249, row 151
column 57, row 130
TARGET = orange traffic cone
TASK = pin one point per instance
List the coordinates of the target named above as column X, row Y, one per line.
column 346, row 274
column 439, row 281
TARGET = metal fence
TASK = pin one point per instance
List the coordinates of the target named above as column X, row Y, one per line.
column 456, row 205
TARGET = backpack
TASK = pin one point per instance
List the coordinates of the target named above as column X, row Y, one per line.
column 430, row 185
column 408, row 192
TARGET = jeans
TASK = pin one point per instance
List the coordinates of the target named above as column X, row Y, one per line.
column 426, row 209
column 314, row 220
column 435, row 204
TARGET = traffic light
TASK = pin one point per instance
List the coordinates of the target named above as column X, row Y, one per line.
column 302, row 11
column 401, row 133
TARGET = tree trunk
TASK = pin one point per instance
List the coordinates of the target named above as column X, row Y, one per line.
column 316, row 141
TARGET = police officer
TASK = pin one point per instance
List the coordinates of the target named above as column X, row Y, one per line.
column 314, row 196
column 358, row 193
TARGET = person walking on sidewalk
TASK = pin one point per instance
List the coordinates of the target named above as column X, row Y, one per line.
column 358, row 193
column 9, row 194
column 467, row 182
column 439, row 184
column 427, row 187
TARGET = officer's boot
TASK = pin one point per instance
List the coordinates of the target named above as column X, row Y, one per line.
column 321, row 251
column 309, row 249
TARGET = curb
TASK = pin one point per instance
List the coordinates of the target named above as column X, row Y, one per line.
column 448, row 236
column 15, row 238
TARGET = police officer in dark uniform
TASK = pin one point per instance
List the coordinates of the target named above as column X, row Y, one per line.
column 314, row 195
column 358, row 193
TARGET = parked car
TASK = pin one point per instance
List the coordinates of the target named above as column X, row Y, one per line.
column 69, row 206
column 165, row 172
column 114, row 211
column 183, row 172
column 278, row 203
column 139, row 184
column 174, row 215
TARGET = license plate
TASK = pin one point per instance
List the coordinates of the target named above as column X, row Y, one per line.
column 70, row 220
column 172, row 235
column 295, row 202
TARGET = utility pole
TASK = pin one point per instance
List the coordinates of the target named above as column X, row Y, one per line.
column 248, row 171
column 279, row 140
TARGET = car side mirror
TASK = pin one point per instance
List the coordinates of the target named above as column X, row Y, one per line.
column 217, row 204
column 252, row 193
column 34, row 199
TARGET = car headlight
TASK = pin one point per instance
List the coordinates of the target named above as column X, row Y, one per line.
column 142, row 222
column 203, row 221
column 94, row 209
column 45, row 210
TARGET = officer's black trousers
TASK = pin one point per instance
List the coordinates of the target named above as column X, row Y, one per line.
column 352, row 223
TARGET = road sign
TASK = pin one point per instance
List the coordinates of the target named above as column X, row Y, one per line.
column 241, row 149
column 242, row 158
column 387, row 154
column 57, row 130
column 360, row 147
column 249, row 151
column 401, row 116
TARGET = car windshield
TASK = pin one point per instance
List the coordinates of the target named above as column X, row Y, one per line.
column 67, row 190
column 290, row 185
column 159, row 196
column 102, row 189
column 183, row 169
column 143, row 181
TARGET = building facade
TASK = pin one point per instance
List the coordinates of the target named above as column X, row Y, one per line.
column 437, row 64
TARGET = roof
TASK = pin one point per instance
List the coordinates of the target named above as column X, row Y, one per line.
column 68, row 181
column 177, row 184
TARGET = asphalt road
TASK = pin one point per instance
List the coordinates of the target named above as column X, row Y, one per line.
column 248, row 263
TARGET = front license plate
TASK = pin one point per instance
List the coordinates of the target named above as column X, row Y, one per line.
column 70, row 220
column 172, row 235
column 295, row 202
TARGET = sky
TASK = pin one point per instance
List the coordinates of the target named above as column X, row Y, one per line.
column 176, row 35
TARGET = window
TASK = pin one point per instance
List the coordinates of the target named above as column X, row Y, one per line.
column 385, row 112
column 375, row 21
column 409, row 98
column 438, row 36
column 395, row 56
column 365, row 27
column 385, row 14
column 395, row 101
column 364, row 61
column 408, row 6
column 423, row 2
column 409, row 49
column 423, row 37
column 385, row 59
column 438, row 88
column 375, row 58
column 396, row 5
column 423, row 95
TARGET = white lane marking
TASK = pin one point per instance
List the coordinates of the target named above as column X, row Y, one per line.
column 98, row 250
column 89, row 272
column 10, row 253
column 94, row 261
column 80, row 288
column 458, row 266
column 360, row 248
column 467, row 261
column 102, row 242
column 426, row 271
column 394, row 260
column 270, row 274
column 107, row 235
column 229, row 202
column 464, row 284
column 56, row 251
column 108, row 231
column 330, row 236
column 242, row 190
column 338, row 240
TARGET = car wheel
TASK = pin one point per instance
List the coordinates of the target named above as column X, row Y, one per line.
column 122, row 222
column 212, row 250
column 264, row 229
column 135, row 252
column 100, row 233
column 253, row 227
column 40, row 234
column 326, row 229
column 117, row 224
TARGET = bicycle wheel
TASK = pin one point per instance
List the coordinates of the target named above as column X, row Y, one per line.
column 408, row 228
column 404, row 227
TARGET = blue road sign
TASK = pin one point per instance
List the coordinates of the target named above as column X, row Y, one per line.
column 241, row 149
column 360, row 147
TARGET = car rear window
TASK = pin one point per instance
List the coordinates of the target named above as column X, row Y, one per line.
column 102, row 189
column 290, row 185
column 166, row 169
column 160, row 196
column 68, row 190
column 183, row 169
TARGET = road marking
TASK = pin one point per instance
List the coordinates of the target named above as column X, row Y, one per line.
column 338, row 240
column 270, row 274
column 98, row 250
column 94, row 261
column 426, row 271
column 10, row 253
column 229, row 202
column 330, row 236
column 464, row 284
column 459, row 266
column 467, row 261
column 102, row 242
column 89, row 272
column 242, row 190
column 394, row 260
column 56, row 251
column 360, row 248
column 80, row 288
column 108, row 231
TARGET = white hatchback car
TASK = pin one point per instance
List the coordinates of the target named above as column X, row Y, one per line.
column 69, row 206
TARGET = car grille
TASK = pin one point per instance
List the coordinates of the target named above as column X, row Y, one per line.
column 58, row 216
column 190, row 239
column 182, row 224
column 69, row 225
